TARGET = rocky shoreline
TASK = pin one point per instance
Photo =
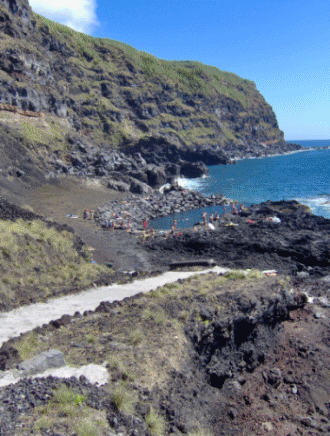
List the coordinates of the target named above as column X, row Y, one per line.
column 282, row 236
column 137, row 208
column 133, row 170
column 140, row 169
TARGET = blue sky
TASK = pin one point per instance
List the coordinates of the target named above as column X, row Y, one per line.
column 282, row 45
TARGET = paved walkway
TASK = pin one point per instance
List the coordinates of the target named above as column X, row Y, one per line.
column 27, row 318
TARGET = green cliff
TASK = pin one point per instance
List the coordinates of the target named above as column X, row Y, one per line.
column 112, row 96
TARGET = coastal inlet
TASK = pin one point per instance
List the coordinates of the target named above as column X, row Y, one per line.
column 136, row 208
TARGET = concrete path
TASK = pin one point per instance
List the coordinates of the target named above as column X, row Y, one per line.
column 27, row 318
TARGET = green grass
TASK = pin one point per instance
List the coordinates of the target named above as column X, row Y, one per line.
column 200, row 433
column 235, row 275
column 68, row 409
column 54, row 137
column 28, row 346
column 122, row 399
column 115, row 364
column 255, row 274
column 35, row 255
column 155, row 423
column 136, row 337
column 95, row 56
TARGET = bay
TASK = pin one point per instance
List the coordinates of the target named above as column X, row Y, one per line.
column 303, row 176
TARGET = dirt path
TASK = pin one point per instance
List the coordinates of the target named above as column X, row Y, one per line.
column 67, row 196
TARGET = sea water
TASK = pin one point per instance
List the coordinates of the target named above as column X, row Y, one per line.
column 302, row 176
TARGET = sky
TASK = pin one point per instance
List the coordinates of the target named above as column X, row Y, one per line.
column 281, row 45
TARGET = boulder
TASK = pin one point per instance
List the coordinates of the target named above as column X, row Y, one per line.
column 156, row 176
column 8, row 356
column 43, row 361
column 140, row 175
column 139, row 188
column 76, row 161
column 193, row 170
column 172, row 171
column 118, row 186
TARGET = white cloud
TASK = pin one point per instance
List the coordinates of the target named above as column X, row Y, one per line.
column 78, row 14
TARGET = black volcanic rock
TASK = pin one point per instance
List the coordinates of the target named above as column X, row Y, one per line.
column 193, row 170
column 299, row 242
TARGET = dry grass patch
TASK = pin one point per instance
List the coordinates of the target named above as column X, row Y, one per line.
column 28, row 346
column 136, row 337
column 67, row 410
column 123, row 399
column 36, row 261
column 155, row 423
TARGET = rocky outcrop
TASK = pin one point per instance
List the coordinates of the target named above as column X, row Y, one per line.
column 126, row 172
column 116, row 98
column 242, row 341
column 24, row 25
column 298, row 242
column 174, row 200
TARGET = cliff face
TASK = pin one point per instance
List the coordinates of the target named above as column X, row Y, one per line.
column 109, row 96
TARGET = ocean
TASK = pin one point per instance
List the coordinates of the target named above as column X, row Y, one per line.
column 302, row 176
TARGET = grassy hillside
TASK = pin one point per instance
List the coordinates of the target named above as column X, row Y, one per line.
column 117, row 96
column 37, row 261
column 188, row 75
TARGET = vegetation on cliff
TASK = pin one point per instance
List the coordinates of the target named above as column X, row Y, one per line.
column 118, row 96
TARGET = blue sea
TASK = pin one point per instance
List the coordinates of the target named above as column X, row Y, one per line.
column 303, row 176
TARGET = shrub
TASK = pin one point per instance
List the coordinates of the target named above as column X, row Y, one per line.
column 115, row 363
column 136, row 337
column 255, row 274
column 155, row 422
column 122, row 399
column 27, row 346
column 235, row 275
column 183, row 315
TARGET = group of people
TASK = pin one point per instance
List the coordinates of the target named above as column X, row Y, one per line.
column 89, row 214
column 212, row 218
column 234, row 208
column 123, row 225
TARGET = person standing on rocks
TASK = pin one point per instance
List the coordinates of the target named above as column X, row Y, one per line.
column 204, row 216
column 86, row 214
column 145, row 225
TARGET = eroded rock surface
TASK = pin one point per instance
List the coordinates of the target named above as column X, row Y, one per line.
column 298, row 243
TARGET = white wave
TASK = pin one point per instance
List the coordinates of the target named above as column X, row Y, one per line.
column 272, row 155
column 318, row 205
column 193, row 184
